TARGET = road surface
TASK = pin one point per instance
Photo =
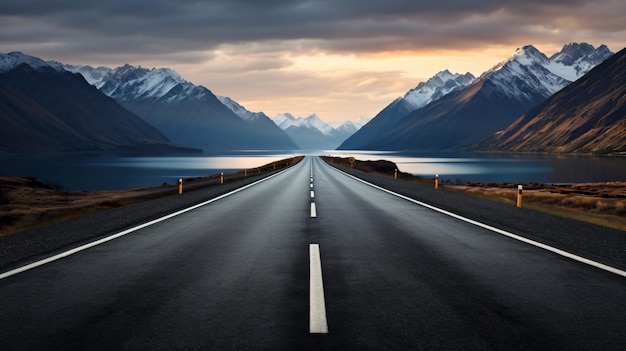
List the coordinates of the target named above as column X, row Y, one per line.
column 312, row 259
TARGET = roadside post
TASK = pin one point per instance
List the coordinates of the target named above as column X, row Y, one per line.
column 519, row 196
column 395, row 174
column 180, row 186
column 222, row 178
column 436, row 181
column 245, row 173
column 352, row 160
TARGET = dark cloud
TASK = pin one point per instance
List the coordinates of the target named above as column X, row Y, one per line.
column 166, row 26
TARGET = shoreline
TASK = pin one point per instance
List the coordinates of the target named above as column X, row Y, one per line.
column 601, row 203
column 27, row 203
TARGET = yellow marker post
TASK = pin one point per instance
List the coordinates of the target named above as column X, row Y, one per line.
column 519, row 196
column 180, row 186
column 245, row 173
column 222, row 178
column 395, row 174
column 436, row 181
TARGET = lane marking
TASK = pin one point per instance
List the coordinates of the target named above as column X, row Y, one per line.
column 313, row 210
column 317, row 305
column 497, row 230
column 312, row 194
column 311, row 186
column 127, row 231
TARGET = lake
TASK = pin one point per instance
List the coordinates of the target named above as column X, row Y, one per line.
column 110, row 172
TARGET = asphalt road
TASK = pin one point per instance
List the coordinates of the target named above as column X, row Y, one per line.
column 265, row 269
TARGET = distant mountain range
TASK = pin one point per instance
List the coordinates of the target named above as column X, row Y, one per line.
column 185, row 113
column 52, row 107
column 44, row 108
column 588, row 116
column 312, row 133
column 473, row 111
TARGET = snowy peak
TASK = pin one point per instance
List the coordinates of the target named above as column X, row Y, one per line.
column 128, row 82
column 529, row 55
column 436, row 87
column 239, row 110
column 528, row 72
column 575, row 59
column 13, row 59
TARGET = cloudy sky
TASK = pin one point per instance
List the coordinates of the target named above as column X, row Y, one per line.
column 341, row 59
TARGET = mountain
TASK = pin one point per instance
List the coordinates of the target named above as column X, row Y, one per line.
column 264, row 126
column 185, row 113
column 490, row 103
column 44, row 108
column 312, row 133
column 588, row 116
column 433, row 89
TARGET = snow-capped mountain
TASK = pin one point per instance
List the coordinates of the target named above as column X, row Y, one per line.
column 313, row 133
column 184, row 112
column 576, row 59
column 438, row 86
column 568, row 122
column 490, row 103
column 48, row 109
column 11, row 60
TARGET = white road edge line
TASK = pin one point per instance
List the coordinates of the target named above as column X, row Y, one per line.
column 317, row 305
column 313, row 210
column 127, row 231
column 499, row 231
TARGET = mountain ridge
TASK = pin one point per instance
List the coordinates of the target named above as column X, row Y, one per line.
column 466, row 116
column 588, row 116
column 47, row 109
column 184, row 112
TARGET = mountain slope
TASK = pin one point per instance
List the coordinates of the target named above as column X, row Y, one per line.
column 184, row 112
column 588, row 116
column 440, row 85
column 45, row 108
column 489, row 104
column 262, row 124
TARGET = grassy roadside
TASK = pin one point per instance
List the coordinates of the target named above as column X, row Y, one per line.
column 27, row 203
column 598, row 203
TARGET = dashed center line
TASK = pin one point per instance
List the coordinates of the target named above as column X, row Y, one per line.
column 313, row 210
column 312, row 194
column 317, row 305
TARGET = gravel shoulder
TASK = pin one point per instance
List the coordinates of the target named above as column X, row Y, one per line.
column 31, row 245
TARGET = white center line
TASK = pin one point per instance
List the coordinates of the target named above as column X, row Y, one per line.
column 317, row 305
column 312, row 194
column 313, row 211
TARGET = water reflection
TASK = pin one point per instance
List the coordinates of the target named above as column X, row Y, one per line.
column 107, row 172
column 499, row 168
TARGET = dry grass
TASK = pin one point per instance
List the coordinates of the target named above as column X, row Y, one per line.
column 599, row 203
column 27, row 202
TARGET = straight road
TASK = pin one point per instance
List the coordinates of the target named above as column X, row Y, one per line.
column 313, row 259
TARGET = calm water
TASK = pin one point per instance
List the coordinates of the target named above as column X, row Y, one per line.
column 107, row 172
column 503, row 168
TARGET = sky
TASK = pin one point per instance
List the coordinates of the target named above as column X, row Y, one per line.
column 340, row 59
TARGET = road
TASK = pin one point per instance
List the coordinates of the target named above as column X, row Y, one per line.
column 360, row 269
